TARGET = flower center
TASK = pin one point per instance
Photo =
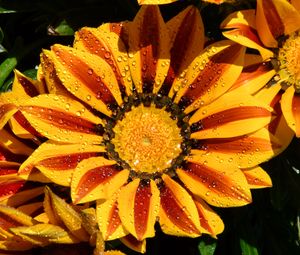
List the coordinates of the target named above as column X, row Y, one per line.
column 289, row 61
column 147, row 139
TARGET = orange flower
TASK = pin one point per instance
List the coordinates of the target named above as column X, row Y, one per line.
column 139, row 119
column 273, row 30
column 141, row 2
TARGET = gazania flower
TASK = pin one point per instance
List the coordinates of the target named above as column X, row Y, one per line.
column 273, row 30
column 141, row 2
column 139, row 119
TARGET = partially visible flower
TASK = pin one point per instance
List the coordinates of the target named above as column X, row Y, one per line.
column 274, row 30
column 141, row 2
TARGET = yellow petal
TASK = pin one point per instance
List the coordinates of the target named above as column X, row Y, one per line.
column 218, row 184
column 257, row 178
column 96, row 178
column 209, row 76
column 70, row 218
column 62, row 119
column 141, row 2
column 134, row 244
column 109, row 220
column 178, row 213
column 138, row 205
column 228, row 113
column 149, row 50
column 57, row 161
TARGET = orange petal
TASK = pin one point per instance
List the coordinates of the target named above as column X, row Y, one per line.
column 134, row 244
column 296, row 4
column 178, row 212
column 209, row 76
column 62, row 119
column 218, row 184
column 187, row 38
column 149, row 50
column 254, row 77
column 86, row 76
column 275, row 18
column 141, row 2
column 138, row 205
column 57, row 161
column 257, row 178
column 109, row 220
column 109, row 47
column 228, row 113
column 96, row 178
column 6, row 112
column 242, row 29
column 290, row 105
column 118, row 28
column 9, row 188
column 24, row 85
column 15, row 247
column 244, row 152
column 210, row 222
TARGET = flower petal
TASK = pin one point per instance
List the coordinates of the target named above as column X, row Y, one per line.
column 109, row 47
column 138, row 205
column 296, row 4
column 254, row 77
column 257, row 178
column 275, row 18
column 7, row 110
column 12, row 143
column 141, row 2
column 290, row 105
column 109, row 220
column 62, row 119
column 57, row 161
column 134, row 244
column 44, row 234
column 228, row 113
column 244, row 151
column 149, row 50
column 187, row 37
column 86, row 76
column 178, row 213
column 96, row 178
column 243, row 31
column 66, row 214
column 210, row 222
column 24, row 85
column 209, row 76
column 15, row 245
column 218, row 184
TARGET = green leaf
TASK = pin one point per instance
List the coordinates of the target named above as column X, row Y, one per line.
column 6, row 67
column 248, row 249
column 64, row 29
column 207, row 246
column 3, row 10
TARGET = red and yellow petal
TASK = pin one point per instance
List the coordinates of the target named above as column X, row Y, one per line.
column 96, row 178
column 241, row 27
column 243, row 152
column 290, row 105
column 209, row 76
column 210, row 221
column 7, row 110
column 134, row 244
column 25, row 86
column 218, row 184
column 138, row 205
column 15, row 247
column 62, row 119
column 254, row 77
column 86, row 76
column 228, row 113
column 187, row 38
column 275, row 18
column 109, row 220
column 178, row 213
column 296, row 4
column 257, row 178
column 109, row 47
column 149, row 50
column 57, row 161
column 141, row 2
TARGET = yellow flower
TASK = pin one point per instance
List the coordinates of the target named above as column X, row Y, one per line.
column 141, row 2
column 273, row 30
column 140, row 118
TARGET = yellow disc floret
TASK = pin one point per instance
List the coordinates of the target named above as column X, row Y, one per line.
column 289, row 61
column 147, row 139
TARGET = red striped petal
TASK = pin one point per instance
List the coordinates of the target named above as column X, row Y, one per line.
column 296, row 112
